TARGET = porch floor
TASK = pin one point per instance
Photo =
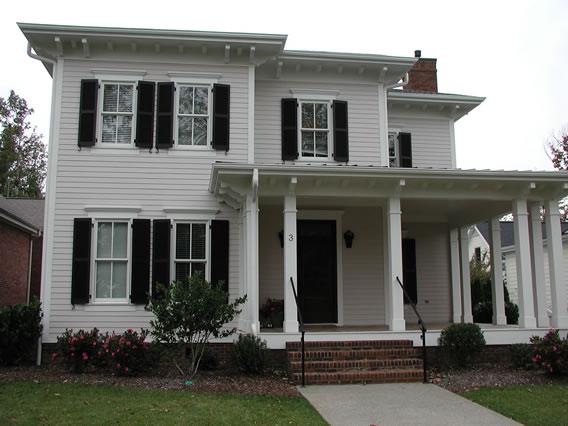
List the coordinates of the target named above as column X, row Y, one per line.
column 410, row 326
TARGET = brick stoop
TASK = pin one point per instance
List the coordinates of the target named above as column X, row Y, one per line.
column 348, row 362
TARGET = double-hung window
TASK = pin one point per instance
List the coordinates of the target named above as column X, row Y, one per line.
column 190, row 249
column 393, row 150
column 315, row 129
column 112, row 248
column 118, row 100
column 193, row 115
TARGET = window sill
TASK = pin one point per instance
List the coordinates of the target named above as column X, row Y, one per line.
column 112, row 307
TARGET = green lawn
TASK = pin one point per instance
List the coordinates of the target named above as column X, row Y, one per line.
column 60, row 403
column 526, row 404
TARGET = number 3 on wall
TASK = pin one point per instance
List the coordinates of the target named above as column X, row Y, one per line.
column 290, row 237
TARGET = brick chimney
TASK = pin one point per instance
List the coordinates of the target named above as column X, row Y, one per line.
column 423, row 75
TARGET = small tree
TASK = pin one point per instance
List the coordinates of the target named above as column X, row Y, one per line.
column 188, row 313
column 557, row 150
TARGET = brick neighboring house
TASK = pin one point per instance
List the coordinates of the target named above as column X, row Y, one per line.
column 21, row 238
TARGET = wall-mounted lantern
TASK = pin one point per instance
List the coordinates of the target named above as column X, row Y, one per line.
column 348, row 235
column 281, row 237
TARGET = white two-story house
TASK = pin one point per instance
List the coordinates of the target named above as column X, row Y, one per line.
column 172, row 152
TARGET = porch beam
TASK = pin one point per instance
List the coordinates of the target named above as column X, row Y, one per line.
column 556, row 265
column 527, row 318
column 465, row 276
column 497, row 291
column 290, row 261
column 456, row 281
column 537, row 256
column 394, row 297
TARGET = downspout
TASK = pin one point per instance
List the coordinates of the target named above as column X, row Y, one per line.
column 404, row 82
column 53, row 62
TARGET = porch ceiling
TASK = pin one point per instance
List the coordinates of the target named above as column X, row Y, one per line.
column 459, row 197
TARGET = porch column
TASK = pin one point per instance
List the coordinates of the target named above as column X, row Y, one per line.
column 252, row 283
column 537, row 255
column 394, row 252
column 290, row 262
column 465, row 275
column 456, row 281
column 556, row 265
column 497, row 291
column 524, row 269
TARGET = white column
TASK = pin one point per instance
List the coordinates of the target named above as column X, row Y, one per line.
column 524, row 269
column 394, row 251
column 556, row 265
column 465, row 275
column 252, row 283
column 497, row 291
column 244, row 317
column 537, row 256
column 456, row 280
column 290, row 264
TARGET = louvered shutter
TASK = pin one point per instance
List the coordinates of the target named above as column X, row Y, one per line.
column 340, row 133
column 409, row 276
column 289, row 129
column 81, row 263
column 145, row 114
column 220, row 253
column 88, row 112
column 161, row 254
column 221, row 116
column 165, row 120
column 140, row 261
column 405, row 149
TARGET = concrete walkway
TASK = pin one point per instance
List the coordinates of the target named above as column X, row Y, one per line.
column 397, row 404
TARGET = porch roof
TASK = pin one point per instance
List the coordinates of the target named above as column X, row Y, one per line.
column 459, row 197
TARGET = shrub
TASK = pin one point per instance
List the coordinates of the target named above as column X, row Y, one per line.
column 250, row 353
column 126, row 353
column 209, row 359
column 187, row 314
column 20, row 327
column 521, row 355
column 462, row 342
column 80, row 349
column 550, row 352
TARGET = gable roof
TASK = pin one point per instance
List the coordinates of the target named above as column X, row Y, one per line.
column 508, row 232
column 25, row 213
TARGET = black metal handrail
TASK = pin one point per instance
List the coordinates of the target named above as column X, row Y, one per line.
column 422, row 327
column 303, row 333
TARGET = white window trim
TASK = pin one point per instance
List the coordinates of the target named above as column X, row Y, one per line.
column 93, row 272
column 329, row 131
column 396, row 131
column 173, row 237
column 116, row 79
column 208, row 145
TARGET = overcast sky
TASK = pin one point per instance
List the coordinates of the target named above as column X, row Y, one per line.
column 514, row 53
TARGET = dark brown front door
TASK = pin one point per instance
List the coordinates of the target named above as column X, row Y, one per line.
column 317, row 270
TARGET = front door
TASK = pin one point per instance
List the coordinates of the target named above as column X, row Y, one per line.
column 317, row 270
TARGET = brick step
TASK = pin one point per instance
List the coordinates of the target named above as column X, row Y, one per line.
column 354, row 344
column 354, row 377
column 333, row 366
column 346, row 355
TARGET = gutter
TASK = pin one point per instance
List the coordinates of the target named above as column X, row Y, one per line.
column 404, row 82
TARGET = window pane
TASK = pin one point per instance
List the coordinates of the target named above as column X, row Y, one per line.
column 201, row 95
column 120, row 240
column 198, row 241
column 321, row 144
column 308, row 116
column 186, row 100
column 307, row 144
column 185, row 130
column 104, row 240
column 109, row 128
column 103, row 279
column 200, row 131
column 392, row 148
column 198, row 267
column 125, row 98
column 110, row 98
column 321, row 116
column 182, row 271
column 124, row 124
column 118, row 280
column 182, row 241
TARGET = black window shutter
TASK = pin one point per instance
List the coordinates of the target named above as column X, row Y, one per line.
column 409, row 276
column 140, row 261
column 220, row 253
column 81, row 264
column 289, row 129
column 165, row 121
column 88, row 112
column 221, row 116
column 405, row 149
column 145, row 114
column 340, row 134
column 161, row 254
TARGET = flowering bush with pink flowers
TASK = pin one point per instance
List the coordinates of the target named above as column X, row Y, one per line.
column 79, row 349
column 550, row 353
column 126, row 353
